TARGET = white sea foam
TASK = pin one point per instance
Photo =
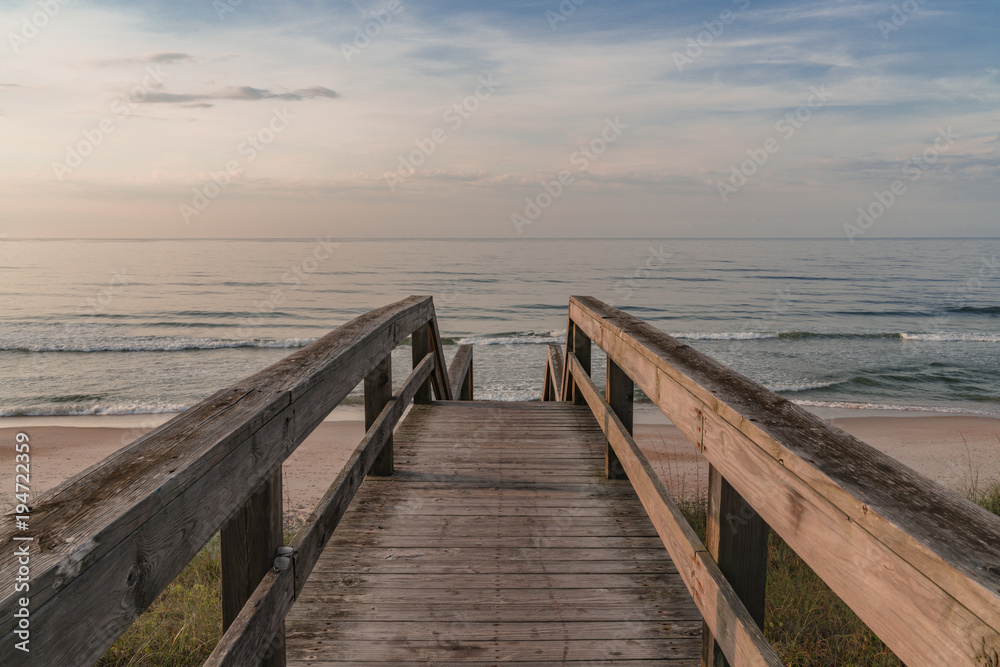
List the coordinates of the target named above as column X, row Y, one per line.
column 791, row 387
column 81, row 410
column 885, row 406
column 518, row 338
column 952, row 337
column 726, row 335
column 154, row 344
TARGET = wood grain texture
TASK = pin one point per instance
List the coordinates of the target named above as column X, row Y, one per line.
column 460, row 373
column 249, row 544
column 517, row 573
column 552, row 385
column 579, row 347
column 620, row 391
column 735, row 630
column 736, row 538
column 421, row 346
column 442, row 386
column 916, row 562
column 378, row 391
column 110, row 539
column 263, row 616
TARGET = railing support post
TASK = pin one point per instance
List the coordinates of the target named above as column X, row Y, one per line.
column 736, row 537
column 465, row 392
column 620, row 393
column 378, row 391
column 580, row 348
column 250, row 541
column 421, row 344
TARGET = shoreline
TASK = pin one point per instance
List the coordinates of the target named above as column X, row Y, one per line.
column 953, row 450
column 645, row 413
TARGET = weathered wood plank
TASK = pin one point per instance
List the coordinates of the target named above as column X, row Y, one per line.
column 327, row 630
column 737, row 634
column 460, row 373
column 442, row 387
column 435, row 650
column 420, row 347
column 570, row 523
column 620, row 392
column 680, row 662
column 339, row 580
column 914, row 560
column 552, row 385
column 111, row 538
column 736, row 537
column 378, row 392
column 452, row 596
column 513, row 548
column 249, row 543
column 629, row 545
column 414, row 610
column 577, row 346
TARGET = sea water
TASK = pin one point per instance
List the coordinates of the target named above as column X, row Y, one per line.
column 121, row 327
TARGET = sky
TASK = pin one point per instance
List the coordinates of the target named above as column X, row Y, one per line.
column 518, row 119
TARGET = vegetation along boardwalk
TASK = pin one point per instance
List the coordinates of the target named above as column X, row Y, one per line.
column 498, row 538
column 490, row 532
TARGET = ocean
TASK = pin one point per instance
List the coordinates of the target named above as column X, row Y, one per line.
column 130, row 327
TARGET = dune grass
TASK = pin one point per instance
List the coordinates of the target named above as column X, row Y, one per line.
column 805, row 621
column 183, row 625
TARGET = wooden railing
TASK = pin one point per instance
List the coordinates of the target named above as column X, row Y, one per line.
column 918, row 563
column 108, row 541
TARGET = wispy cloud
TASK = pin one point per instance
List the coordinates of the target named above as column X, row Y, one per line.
column 240, row 93
column 150, row 58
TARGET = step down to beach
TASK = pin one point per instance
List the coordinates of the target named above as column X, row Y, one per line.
column 497, row 539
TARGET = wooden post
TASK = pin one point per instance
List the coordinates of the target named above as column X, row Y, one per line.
column 250, row 541
column 378, row 391
column 421, row 342
column 465, row 393
column 620, row 392
column 736, row 537
column 581, row 349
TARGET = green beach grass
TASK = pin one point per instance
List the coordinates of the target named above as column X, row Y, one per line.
column 805, row 621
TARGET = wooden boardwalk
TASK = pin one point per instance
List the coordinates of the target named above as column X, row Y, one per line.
column 497, row 539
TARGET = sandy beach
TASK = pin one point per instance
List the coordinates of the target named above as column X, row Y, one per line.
column 952, row 450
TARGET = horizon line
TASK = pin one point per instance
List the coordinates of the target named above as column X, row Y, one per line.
column 504, row 238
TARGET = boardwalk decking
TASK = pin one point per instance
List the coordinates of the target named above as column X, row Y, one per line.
column 497, row 539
